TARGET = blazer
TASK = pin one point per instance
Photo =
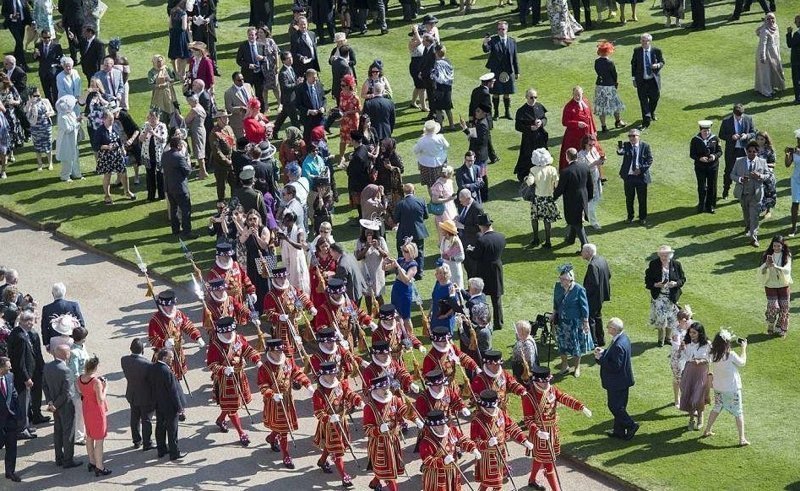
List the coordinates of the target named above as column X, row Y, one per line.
column 793, row 43
column 36, row 346
column 410, row 214
column 55, row 309
column 205, row 71
column 233, row 98
column 306, row 102
column 8, row 405
column 487, row 254
column 176, row 168
column 480, row 142
column 135, row 368
column 575, row 185
column 728, row 128
column 381, row 111
column 91, row 56
column 164, row 388
column 287, row 79
column 299, row 48
column 339, row 68
column 20, row 351
column 59, row 386
column 8, row 10
column 616, row 372
column 53, row 57
column 637, row 65
column 700, row 148
column 469, row 234
column 349, row 270
column 645, row 161
column 244, row 58
column 751, row 186
column 597, row 283
column 502, row 58
column 653, row 275
column 19, row 79
column 466, row 181
column 114, row 87
column 427, row 62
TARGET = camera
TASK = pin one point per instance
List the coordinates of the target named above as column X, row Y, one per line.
column 541, row 324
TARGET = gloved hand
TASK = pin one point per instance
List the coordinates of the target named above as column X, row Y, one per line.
column 298, row 340
column 283, row 318
column 384, row 427
column 419, row 423
column 258, row 364
column 478, row 371
column 310, row 391
column 457, row 361
column 277, row 397
column 527, row 444
column 252, row 297
column 423, row 350
column 587, row 412
column 364, row 363
column 465, row 412
column 345, row 344
column 169, row 343
column 543, row 435
column 477, row 454
column 449, row 459
column 492, row 441
column 359, row 406
column 257, row 322
column 334, row 418
column 414, row 388
column 313, row 312
column 373, row 327
column 200, row 342
column 524, row 393
column 228, row 371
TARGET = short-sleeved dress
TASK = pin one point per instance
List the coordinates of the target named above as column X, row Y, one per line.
column 94, row 414
column 109, row 161
column 372, row 267
column 197, row 131
column 348, row 101
column 402, row 293
column 42, row 130
column 178, row 37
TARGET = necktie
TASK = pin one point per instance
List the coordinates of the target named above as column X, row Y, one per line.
column 112, row 89
column 472, row 173
column 313, row 91
column 635, row 158
column 45, row 49
column 243, row 93
column 254, row 54
column 463, row 214
column 648, row 71
column 750, row 166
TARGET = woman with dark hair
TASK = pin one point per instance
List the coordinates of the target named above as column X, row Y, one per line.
column 111, row 157
column 371, row 250
column 776, row 276
column 350, row 107
column 767, row 152
column 375, row 75
column 10, row 99
column 727, row 383
column 389, row 168
column 293, row 251
column 270, row 66
column 323, row 267
column 92, row 389
column 676, row 362
column 256, row 238
column 694, row 379
column 664, row 278
column 178, row 50
column 369, row 136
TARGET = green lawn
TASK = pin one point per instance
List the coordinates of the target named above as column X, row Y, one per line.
column 705, row 73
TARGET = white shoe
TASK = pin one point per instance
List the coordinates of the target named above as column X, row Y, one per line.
column 3, row 176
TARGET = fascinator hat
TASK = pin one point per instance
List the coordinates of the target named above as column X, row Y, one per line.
column 541, row 157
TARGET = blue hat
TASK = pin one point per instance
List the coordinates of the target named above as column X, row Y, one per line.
column 225, row 324
column 381, row 382
column 224, row 249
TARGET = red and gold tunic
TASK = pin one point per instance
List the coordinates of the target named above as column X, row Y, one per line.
column 279, row 302
column 329, row 435
column 395, row 339
column 162, row 327
column 539, row 410
column 384, row 449
column 274, row 379
column 436, row 475
column 397, row 373
column 489, row 469
column 501, row 384
column 339, row 317
column 450, row 404
column 230, row 307
column 343, row 358
column 236, row 280
column 319, row 278
column 221, row 355
column 446, row 362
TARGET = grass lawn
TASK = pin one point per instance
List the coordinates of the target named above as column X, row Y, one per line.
column 705, row 73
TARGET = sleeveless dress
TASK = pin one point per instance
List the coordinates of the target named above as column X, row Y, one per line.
column 402, row 293
column 94, row 414
column 178, row 38
column 295, row 262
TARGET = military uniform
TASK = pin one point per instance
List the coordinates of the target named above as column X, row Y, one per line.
column 393, row 331
column 237, row 282
column 217, row 308
column 399, row 379
column 340, row 316
column 163, row 327
column 440, row 454
column 502, row 383
column 347, row 362
column 290, row 302
column 448, row 360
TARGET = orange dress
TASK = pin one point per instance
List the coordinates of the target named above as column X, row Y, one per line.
column 348, row 102
column 94, row 414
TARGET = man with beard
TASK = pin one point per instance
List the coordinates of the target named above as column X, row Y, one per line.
column 219, row 304
column 237, row 282
column 439, row 449
column 393, row 331
column 334, row 350
column 445, row 356
column 496, row 379
column 440, row 395
column 341, row 313
column 166, row 329
column 383, row 365
column 283, row 306
column 530, row 120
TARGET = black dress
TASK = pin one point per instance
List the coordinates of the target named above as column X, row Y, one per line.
column 261, row 283
column 531, row 139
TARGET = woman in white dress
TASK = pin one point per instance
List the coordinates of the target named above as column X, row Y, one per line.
column 452, row 251
column 769, row 68
column 443, row 193
column 293, row 251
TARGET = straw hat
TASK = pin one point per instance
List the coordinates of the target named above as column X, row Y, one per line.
column 199, row 46
column 449, row 226
column 431, row 127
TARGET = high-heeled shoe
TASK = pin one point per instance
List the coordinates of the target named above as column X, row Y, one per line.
column 90, row 467
column 102, row 472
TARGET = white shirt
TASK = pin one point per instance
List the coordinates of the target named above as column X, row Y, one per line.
column 431, row 150
column 726, row 373
column 635, row 163
column 694, row 351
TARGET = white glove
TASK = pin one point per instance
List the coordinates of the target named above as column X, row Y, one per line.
column 477, row 454
column 359, row 407
column 344, row 344
column 228, row 371
column 492, row 441
column 543, row 435
column 419, row 423
column 384, row 427
column 478, row 371
column 465, row 412
column 334, row 418
column 298, row 340
column 524, row 393
column 449, row 459
column 277, row 397
column 527, row 445
column 587, row 412
column 200, row 342
column 257, row 322
column 283, row 318
column 373, row 327
column 422, row 350
column 310, row 391
column 169, row 343
column 364, row 363
column 258, row 364
column 457, row 361
column 252, row 297
column 414, row 388
column 313, row 311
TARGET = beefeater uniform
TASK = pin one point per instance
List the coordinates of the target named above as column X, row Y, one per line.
column 397, row 336
column 236, row 280
column 502, row 383
column 347, row 362
column 446, row 361
column 450, row 403
column 436, row 474
column 400, row 381
column 340, row 316
column 227, row 307
column 161, row 327
column 288, row 301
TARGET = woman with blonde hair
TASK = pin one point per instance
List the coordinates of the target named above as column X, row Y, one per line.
column 452, row 251
column 92, row 389
column 544, row 177
column 195, row 122
column 727, row 383
column 443, row 198
column 162, row 78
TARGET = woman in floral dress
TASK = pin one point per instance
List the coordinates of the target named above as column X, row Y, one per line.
column 350, row 107
column 111, row 157
column 39, row 111
column 10, row 98
column 563, row 26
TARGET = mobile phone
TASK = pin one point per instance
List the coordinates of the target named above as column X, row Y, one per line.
column 741, row 340
column 619, row 144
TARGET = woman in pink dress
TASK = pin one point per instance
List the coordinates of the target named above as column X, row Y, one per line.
column 442, row 192
column 578, row 120
column 350, row 107
column 92, row 389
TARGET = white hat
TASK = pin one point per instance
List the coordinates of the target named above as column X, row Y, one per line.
column 247, row 172
column 431, row 127
column 541, row 157
column 339, row 36
column 64, row 324
column 487, row 76
column 370, row 224
column 704, row 123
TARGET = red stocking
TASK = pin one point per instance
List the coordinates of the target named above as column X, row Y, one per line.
column 236, row 422
column 552, row 478
column 271, row 437
column 391, row 485
column 221, row 418
column 284, row 445
column 338, row 461
column 375, row 482
column 537, row 466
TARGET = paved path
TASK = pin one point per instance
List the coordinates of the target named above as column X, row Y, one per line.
column 113, row 302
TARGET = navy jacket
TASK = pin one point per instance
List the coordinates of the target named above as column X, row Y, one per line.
column 58, row 307
column 165, row 390
column 645, row 161
column 8, row 405
column 410, row 215
column 616, row 372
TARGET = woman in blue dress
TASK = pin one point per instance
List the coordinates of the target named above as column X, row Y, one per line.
column 39, row 111
column 571, row 318
column 403, row 286
column 443, row 291
column 179, row 38
column 792, row 157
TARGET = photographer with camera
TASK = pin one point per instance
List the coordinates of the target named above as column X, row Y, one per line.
column 726, row 382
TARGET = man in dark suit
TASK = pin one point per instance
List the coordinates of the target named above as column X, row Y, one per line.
column 481, row 95
column 736, row 129
column 380, row 111
column 166, row 395
column 468, row 177
column 311, row 103
column 426, row 66
column 303, row 46
column 575, row 185
column 793, row 43
column 616, row 375
column 17, row 15
column 340, row 66
column 349, row 270
column 288, row 81
column 92, row 52
column 410, row 214
column 467, row 225
column 597, row 283
column 530, row 120
column 59, row 386
column 72, row 21
column 502, row 61
column 250, row 57
column 23, row 364
column 646, row 64
column 176, row 168
column 635, row 173
column 139, row 395
column 58, row 307
column 48, row 53
column 487, row 254
column 35, row 415
column 18, row 77
column 748, row 174
column 8, row 418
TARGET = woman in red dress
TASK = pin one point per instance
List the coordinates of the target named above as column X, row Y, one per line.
column 292, row 149
column 92, row 389
column 257, row 127
column 578, row 120
column 350, row 107
column 323, row 267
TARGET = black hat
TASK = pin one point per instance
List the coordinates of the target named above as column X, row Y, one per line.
column 225, row 324
column 435, row 418
column 241, row 143
column 435, row 377
column 440, row 333
column 493, row 355
column 165, row 298
column 274, row 344
column 488, row 398
column 429, row 19
column 380, row 347
column 484, row 220
column 224, row 249
column 280, row 272
column 216, row 284
column 328, row 368
column 540, row 374
column 326, row 335
column 298, row 8
column 381, row 382
column 336, row 285
column 387, row 311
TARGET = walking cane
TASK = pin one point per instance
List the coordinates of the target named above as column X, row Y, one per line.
column 341, row 431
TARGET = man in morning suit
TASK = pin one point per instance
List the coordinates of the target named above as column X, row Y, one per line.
column 59, row 306
column 288, row 81
column 426, row 66
column 616, row 375
column 250, row 58
column 467, row 225
column 17, row 15
column 111, row 79
column 575, row 185
column 166, row 395
column 646, row 64
column 736, row 129
column 468, row 176
column 793, row 42
column 303, row 46
column 35, row 415
column 92, row 52
column 176, row 167
column 23, row 364
column 48, row 53
column 136, row 367
column 410, row 214
column 503, row 63
column 597, row 283
column 311, row 103
column 381, row 112
column 59, row 387
column 748, row 175
column 635, row 173
column 8, row 418
column 236, row 98
column 487, row 254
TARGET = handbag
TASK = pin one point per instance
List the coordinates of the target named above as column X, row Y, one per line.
column 436, row 208
column 526, row 192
